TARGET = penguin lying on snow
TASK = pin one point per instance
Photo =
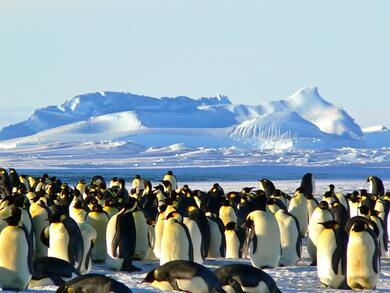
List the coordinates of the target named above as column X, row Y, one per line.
column 245, row 278
column 52, row 271
column 93, row 283
column 182, row 275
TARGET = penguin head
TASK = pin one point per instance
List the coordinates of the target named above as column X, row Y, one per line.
column 131, row 205
column 137, row 176
column 328, row 194
column 330, row 224
column 369, row 178
column 331, row 187
column 15, row 218
column 300, row 190
column 169, row 172
column 364, row 210
column 174, row 214
column 359, row 227
column 323, row 205
column 150, row 277
column 230, row 226
column 97, row 208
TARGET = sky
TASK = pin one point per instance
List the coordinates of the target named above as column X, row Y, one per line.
column 252, row 51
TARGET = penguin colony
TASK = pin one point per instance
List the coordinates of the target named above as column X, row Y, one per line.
column 52, row 233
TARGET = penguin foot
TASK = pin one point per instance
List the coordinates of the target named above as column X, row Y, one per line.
column 313, row 264
column 130, row 269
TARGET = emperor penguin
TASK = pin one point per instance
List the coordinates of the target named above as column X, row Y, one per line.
column 120, row 238
column 89, row 237
column 98, row 219
column 176, row 243
column 298, row 208
column 200, row 218
column 375, row 186
column 141, row 238
column 312, row 203
column 40, row 214
column 227, row 213
column 245, row 278
column 340, row 213
column 354, row 203
column 48, row 271
column 235, row 237
column 332, row 255
column 263, row 239
column 64, row 239
column 196, row 238
column 77, row 211
column 309, row 184
column 363, row 257
column 217, row 246
column 320, row 215
column 159, row 230
column 137, row 184
column 5, row 184
column 172, row 179
column 182, row 275
column 16, row 254
column 81, row 186
column 93, row 283
column 267, row 186
column 290, row 238
column 13, row 178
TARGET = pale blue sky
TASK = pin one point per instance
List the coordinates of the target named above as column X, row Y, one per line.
column 252, row 51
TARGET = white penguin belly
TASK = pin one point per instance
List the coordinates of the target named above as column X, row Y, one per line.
column 174, row 244
column 59, row 241
column 196, row 284
column 232, row 244
column 196, row 238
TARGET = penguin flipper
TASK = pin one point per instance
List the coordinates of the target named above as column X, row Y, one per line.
column 191, row 248
column 30, row 253
column 45, row 236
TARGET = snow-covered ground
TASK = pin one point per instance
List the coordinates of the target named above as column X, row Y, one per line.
column 301, row 278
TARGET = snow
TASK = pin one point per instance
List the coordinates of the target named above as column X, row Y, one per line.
column 376, row 128
column 300, row 278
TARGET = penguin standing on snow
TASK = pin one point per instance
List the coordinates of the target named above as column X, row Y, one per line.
column 217, row 246
column 290, row 239
column 363, row 256
column 332, row 255
column 235, row 237
column 120, row 238
column 320, row 215
column 16, row 254
column 298, row 208
column 64, row 239
column 172, row 179
column 245, row 278
column 98, row 219
column 176, row 243
column 185, row 276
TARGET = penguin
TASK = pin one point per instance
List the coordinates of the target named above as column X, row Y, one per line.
column 93, row 283
column 227, row 213
column 5, row 184
column 298, row 208
column 217, row 246
column 196, row 238
column 263, row 239
column 176, row 243
column 148, row 202
column 245, row 278
column 235, row 237
column 77, row 211
column 332, row 255
column 353, row 203
column 120, row 238
column 159, row 230
column 363, row 257
column 267, row 186
column 64, row 239
column 200, row 218
column 182, row 275
column 290, row 238
column 16, row 253
column 89, row 238
column 320, row 215
column 98, row 219
column 312, row 203
column 13, row 178
column 214, row 199
column 171, row 178
column 40, row 214
column 383, row 236
column 283, row 197
column 137, row 184
column 376, row 186
column 141, row 232
column 308, row 183
column 110, row 207
column 340, row 213
column 48, row 271
column 114, row 182
column 97, row 180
